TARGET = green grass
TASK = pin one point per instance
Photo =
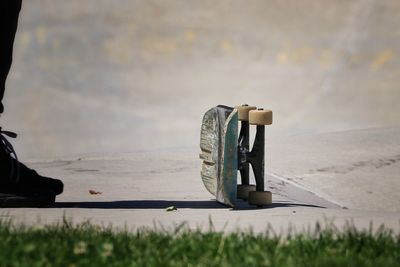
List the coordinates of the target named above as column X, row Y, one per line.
column 88, row 245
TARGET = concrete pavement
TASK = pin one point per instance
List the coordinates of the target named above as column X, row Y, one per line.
column 339, row 178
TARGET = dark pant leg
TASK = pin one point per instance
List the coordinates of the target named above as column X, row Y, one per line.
column 9, row 11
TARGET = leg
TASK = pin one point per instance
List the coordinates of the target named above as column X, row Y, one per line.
column 19, row 185
column 9, row 11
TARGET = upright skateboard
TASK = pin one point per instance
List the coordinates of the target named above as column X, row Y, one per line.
column 225, row 151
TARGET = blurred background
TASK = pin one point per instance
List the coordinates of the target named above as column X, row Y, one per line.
column 124, row 75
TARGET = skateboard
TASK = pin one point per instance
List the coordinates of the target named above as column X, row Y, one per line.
column 225, row 151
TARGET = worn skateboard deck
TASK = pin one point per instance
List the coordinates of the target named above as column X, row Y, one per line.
column 218, row 144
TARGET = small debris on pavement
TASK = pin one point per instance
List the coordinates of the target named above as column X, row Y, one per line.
column 171, row 208
column 94, row 192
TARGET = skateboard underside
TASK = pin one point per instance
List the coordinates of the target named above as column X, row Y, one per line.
column 218, row 143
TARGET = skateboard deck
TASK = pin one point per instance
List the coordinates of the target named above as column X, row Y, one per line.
column 218, row 144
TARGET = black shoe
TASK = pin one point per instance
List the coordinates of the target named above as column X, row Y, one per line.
column 20, row 181
column 31, row 178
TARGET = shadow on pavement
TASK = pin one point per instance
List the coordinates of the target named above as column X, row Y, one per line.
column 141, row 204
column 163, row 204
column 246, row 206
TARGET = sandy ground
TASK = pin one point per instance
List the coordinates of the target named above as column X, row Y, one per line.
column 124, row 84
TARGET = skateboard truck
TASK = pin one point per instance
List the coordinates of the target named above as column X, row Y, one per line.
column 224, row 153
column 256, row 157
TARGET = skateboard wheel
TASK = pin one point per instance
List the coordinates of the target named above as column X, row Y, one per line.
column 260, row 117
column 243, row 112
column 243, row 190
column 260, row 198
